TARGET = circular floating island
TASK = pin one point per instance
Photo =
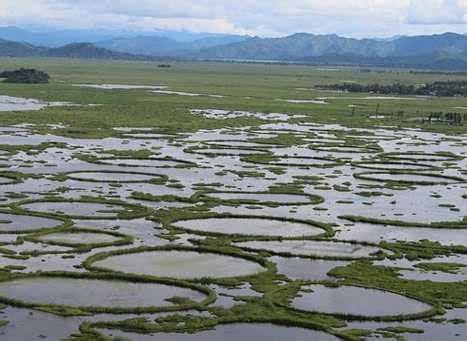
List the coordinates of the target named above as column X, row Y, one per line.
column 300, row 161
column 241, row 144
column 409, row 178
column 145, row 162
column 95, row 295
column 394, row 166
column 344, row 148
column 82, row 238
column 7, row 181
column 249, row 226
column 180, row 264
column 313, row 248
column 418, row 156
column 115, row 177
column 149, row 136
column 86, row 210
column 356, row 301
column 16, row 223
column 267, row 198
column 227, row 151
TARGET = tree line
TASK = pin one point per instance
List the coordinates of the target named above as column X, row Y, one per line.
column 447, row 88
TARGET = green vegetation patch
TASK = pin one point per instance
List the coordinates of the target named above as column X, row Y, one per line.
column 451, row 268
column 65, row 310
column 438, row 294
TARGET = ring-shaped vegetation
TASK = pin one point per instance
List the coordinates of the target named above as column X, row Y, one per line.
column 78, row 240
column 308, row 199
column 425, row 313
column 240, row 144
column 151, row 178
column 293, row 161
column 331, row 249
column 345, row 148
column 394, row 166
column 427, row 179
column 259, row 265
column 367, row 138
column 148, row 136
column 151, row 162
column 177, row 303
column 128, row 211
column 58, row 223
column 422, row 156
column 11, row 178
column 388, row 222
column 225, row 151
column 304, row 228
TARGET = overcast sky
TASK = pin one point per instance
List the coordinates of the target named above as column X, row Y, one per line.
column 353, row 18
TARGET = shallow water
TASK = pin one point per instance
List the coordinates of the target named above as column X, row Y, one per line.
column 76, row 209
column 250, row 226
column 313, row 248
column 19, row 223
column 356, row 301
column 306, row 269
column 218, row 177
column 410, row 178
column 79, row 238
column 87, row 292
column 5, row 180
column 112, row 177
column 229, row 151
column 263, row 197
column 8, row 103
column 180, row 264
column 141, row 163
column 393, row 166
column 300, row 161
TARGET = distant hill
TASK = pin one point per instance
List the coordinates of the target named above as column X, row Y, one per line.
column 443, row 51
column 86, row 51
column 305, row 47
column 162, row 46
column 52, row 39
column 75, row 50
column 16, row 49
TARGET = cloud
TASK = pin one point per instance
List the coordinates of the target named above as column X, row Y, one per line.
column 263, row 17
column 437, row 12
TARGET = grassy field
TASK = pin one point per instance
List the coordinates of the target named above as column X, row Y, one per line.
column 252, row 87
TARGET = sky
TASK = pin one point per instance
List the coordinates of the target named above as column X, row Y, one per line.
column 351, row 18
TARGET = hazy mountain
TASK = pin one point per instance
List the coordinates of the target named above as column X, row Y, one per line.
column 303, row 46
column 16, row 49
column 75, row 50
column 162, row 46
column 85, row 51
column 52, row 39
column 443, row 51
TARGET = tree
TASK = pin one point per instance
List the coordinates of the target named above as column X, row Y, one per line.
column 27, row 76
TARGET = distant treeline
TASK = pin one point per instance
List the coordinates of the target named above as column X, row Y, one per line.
column 29, row 76
column 448, row 88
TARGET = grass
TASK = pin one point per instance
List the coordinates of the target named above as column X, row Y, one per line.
column 262, row 84
column 450, row 268
column 439, row 294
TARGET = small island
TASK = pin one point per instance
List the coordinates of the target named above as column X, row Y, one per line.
column 25, row 76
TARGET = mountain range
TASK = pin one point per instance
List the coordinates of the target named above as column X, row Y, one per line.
column 442, row 51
